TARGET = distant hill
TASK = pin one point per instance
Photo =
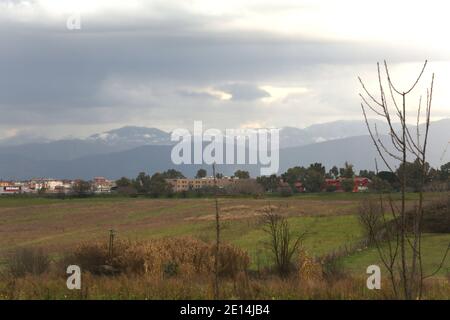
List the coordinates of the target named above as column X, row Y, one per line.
column 132, row 136
column 120, row 153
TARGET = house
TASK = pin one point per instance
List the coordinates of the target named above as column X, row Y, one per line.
column 49, row 185
column 333, row 183
column 179, row 185
column 7, row 187
column 102, row 185
column 360, row 184
column 5, row 184
column 52, row 185
column 35, row 185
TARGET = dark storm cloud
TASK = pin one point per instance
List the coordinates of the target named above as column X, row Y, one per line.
column 49, row 74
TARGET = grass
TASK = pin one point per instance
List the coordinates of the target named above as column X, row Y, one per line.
column 57, row 223
column 348, row 196
column 433, row 248
column 329, row 218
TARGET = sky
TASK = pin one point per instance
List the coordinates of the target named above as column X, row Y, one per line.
column 230, row 64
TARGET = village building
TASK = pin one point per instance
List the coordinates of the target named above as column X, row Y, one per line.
column 179, row 185
column 9, row 187
column 102, row 185
column 360, row 184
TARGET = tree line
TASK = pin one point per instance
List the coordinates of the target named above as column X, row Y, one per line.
column 312, row 179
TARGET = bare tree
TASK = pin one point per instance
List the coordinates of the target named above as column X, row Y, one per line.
column 282, row 245
column 402, row 254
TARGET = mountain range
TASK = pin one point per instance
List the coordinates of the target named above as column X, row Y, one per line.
column 129, row 150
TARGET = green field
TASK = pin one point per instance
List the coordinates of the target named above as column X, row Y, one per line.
column 329, row 219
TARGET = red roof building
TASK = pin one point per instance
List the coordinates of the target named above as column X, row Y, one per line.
column 361, row 184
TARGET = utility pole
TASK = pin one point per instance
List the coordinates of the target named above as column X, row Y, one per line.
column 111, row 243
column 216, row 258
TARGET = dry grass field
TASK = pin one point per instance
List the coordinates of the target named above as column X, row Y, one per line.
column 59, row 226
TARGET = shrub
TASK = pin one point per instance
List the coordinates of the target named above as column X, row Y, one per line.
column 347, row 185
column 309, row 270
column 28, row 261
column 282, row 244
column 162, row 257
column 232, row 260
column 127, row 190
column 285, row 191
column 89, row 256
column 380, row 185
column 245, row 186
column 370, row 218
column 332, row 269
column 436, row 216
column 170, row 269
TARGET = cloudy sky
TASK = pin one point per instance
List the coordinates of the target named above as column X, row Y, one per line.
column 231, row 64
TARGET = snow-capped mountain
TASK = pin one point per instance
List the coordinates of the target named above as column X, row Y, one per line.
column 125, row 151
column 133, row 136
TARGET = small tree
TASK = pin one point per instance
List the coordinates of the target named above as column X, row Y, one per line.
column 414, row 173
column 219, row 175
column 379, row 185
column 314, row 179
column 240, row 174
column 201, row 173
column 347, row 184
column 390, row 178
column 347, row 171
column 123, row 182
column 334, row 172
column 81, row 188
column 142, row 183
column 402, row 254
column 282, row 244
column 367, row 174
column 444, row 173
column 158, row 185
column 173, row 174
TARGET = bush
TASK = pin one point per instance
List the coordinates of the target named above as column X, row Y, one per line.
column 127, row 190
column 285, row 191
column 370, row 218
column 90, row 256
column 347, row 185
column 332, row 268
column 170, row 269
column 309, row 270
column 436, row 216
column 245, row 186
column 28, row 261
column 380, row 185
column 162, row 257
column 282, row 244
column 232, row 260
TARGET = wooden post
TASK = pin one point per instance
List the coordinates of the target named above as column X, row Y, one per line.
column 111, row 244
column 216, row 258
